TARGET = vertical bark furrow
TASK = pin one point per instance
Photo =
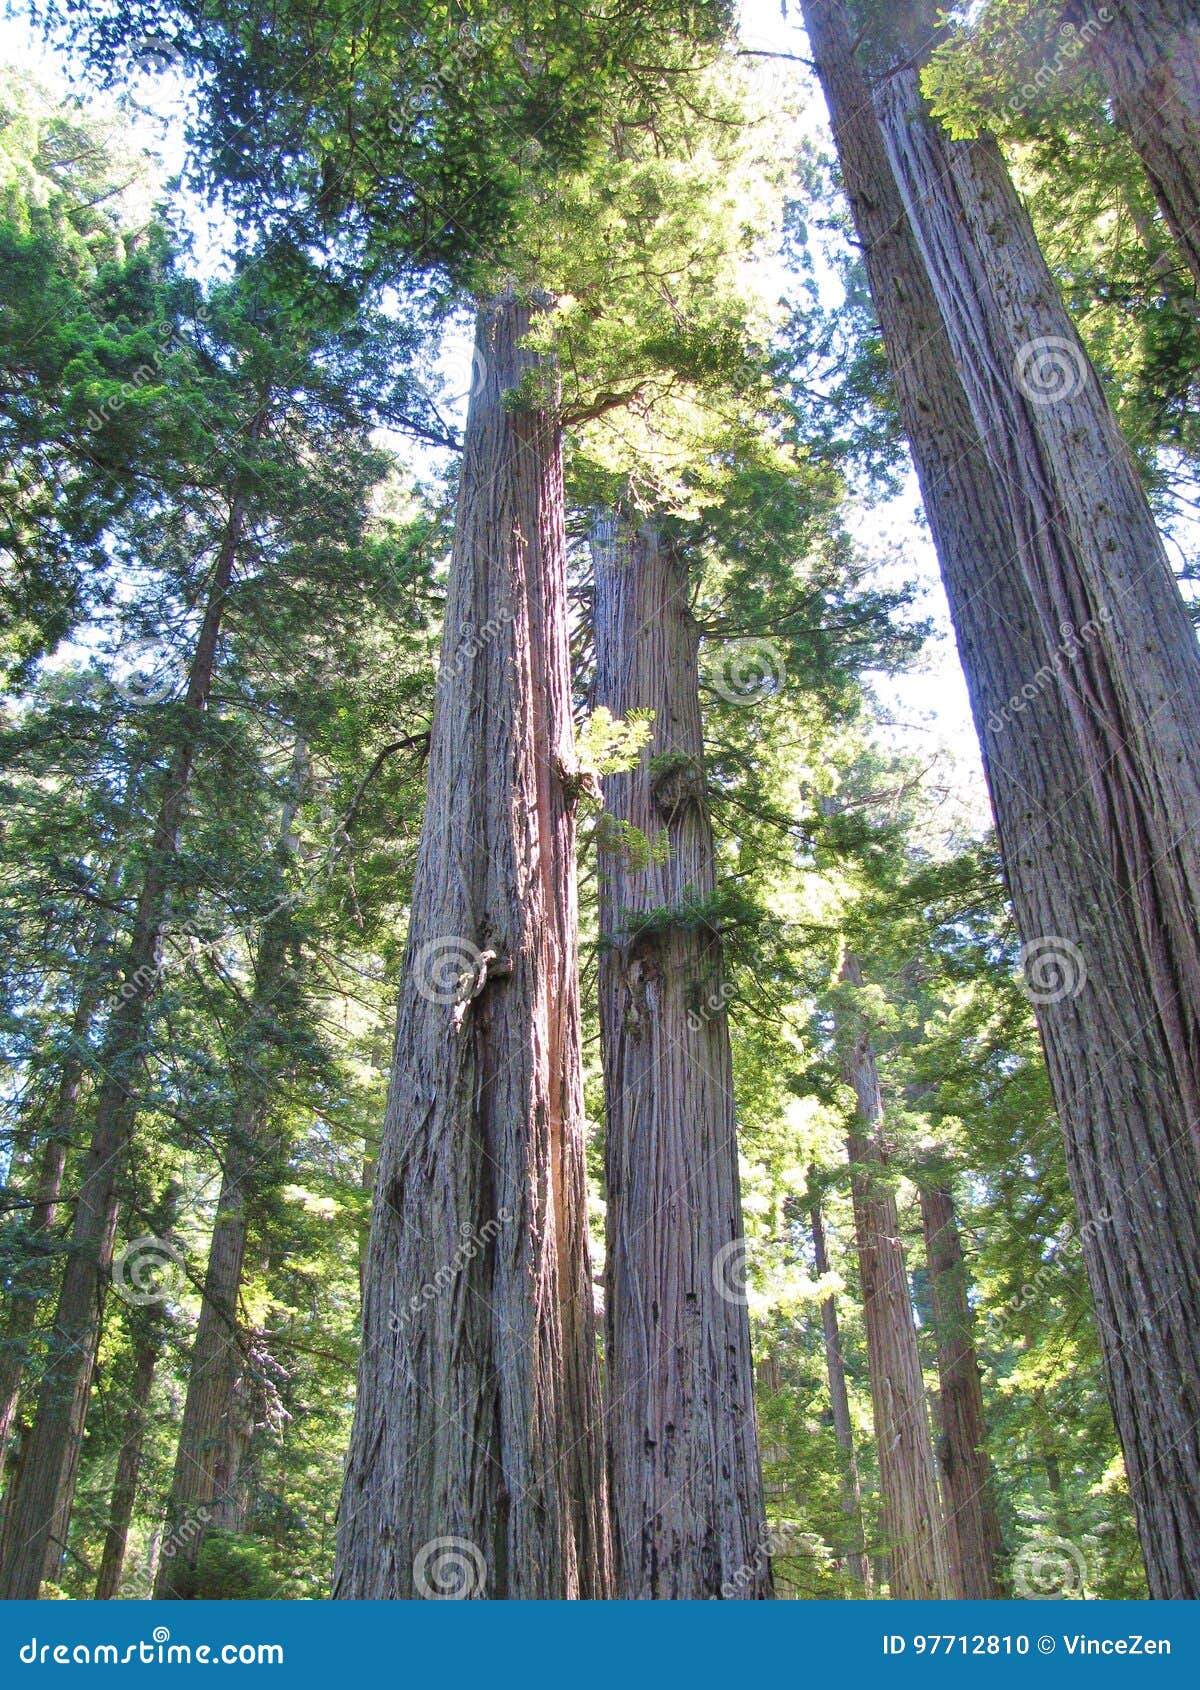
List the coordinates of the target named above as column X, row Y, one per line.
column 475, row 1464
column 1122, row 1078
column 972, row 1523
column 684, row 1474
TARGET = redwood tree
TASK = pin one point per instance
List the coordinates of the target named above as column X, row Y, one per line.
column 1148, row 53
column 1125, row 1084
column 686, row 1487
column 839, row 1401
column 972, row 1524
column 475, row 1463
column 914, row 1530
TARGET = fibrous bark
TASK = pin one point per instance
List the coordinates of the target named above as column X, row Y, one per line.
column 912, row 1509
column 1148, row 53
column 973, row 1535
column 1093, row 559
column 684, row 1474
column 476, row 1463
column 839, row 1399
column 1122, row 1078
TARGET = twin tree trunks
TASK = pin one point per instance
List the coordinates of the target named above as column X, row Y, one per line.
column 1097, row 845
column 476, row 1461
column 684, row 1474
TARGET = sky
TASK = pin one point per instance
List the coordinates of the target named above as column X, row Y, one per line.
column 924, row 712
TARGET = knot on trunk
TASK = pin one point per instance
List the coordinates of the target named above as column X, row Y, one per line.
column 471, row 982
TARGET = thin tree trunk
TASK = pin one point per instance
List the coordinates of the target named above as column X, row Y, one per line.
column 476, row 1464
column 912, row 1509
column 839, row 1399
column 59, row 1130
column 39, row 1508
column 689, row 1519
column 146, row 1350
column 213, row 1438
column 1148, row 52
column 973, row 1533
column 1122, row 1078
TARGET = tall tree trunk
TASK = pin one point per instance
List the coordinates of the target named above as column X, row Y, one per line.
column 1089, row 549
column 39, row 1508
column 146, row 1350
column 213, row 1436
column 839, row 1399
column 56, row 1139
column 1123, row 1080
column 476, row 1462
column 24, row 1299
column 912, row 1509
column 1148, row 52
column 973, row 1533
column 685, row 1481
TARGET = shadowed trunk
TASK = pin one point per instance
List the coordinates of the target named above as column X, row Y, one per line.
column 147, row 1347
column 912, row 1509
column 1123, row 1080
column 213, row 1437
column 972, row 1524
column 684, row 1476
column 476, row 1463
column 1148, row 53
column 39, row 1507
column 839, row 1400
column 59, row 1130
